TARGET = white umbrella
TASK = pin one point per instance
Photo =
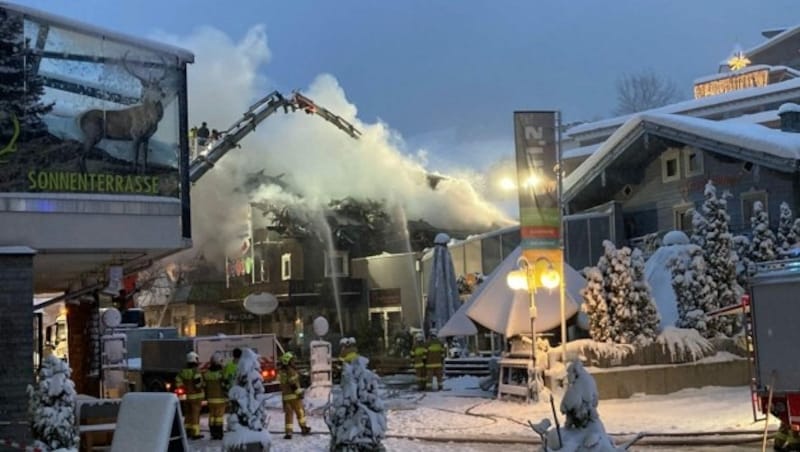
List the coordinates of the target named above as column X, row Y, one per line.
column 459, row 324
column 505, row 311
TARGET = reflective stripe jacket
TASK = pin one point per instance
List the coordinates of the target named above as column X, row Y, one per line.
column 435, row 354
column 215, row 386
column 419, row 353
column 289, row 381
column 191, row 380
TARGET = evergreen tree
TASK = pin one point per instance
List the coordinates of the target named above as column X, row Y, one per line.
column 762, row 240
column 699, row 229
column 693, row 290
column 744, row 266
column 720, row 261
column 248, row 404
column 357, row 415
column 20, row 90
column 646, row 318
column 52, row 407
column 619, row 297
column 785, row 238
column 594, row 305
column 794, row 233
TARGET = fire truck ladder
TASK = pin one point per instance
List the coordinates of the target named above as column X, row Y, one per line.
column 259, row 111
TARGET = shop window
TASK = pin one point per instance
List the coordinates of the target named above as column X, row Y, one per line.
column 286, row 267
column 682, row 214
column 670, row 165
column 336, row 264
column 693, row 162
column 748, row 199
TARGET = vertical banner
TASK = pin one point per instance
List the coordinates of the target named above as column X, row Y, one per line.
column 535, row 137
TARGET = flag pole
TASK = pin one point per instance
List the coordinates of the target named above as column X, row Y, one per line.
column 562, row 294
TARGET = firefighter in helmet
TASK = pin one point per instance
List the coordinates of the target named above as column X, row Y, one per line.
column 351, row 351
column 292, row 395
column 434, row 359
column 216, row 387
column 419, row 354
column 189, row 381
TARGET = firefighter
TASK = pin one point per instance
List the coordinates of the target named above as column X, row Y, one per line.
column 352, row 351
column 419, row 354
column 190, row 382
column 216, row 387
column 231, row 367
column 434, row 359
column 292, row 395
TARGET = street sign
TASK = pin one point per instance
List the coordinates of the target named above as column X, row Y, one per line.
column 261, row 303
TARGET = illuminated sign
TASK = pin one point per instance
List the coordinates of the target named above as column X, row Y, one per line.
column 753, row 79
column 738, row 61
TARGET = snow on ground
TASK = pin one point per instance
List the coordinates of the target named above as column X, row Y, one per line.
column 462, row 411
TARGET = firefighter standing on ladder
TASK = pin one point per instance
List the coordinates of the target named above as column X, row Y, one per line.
column 190, row 382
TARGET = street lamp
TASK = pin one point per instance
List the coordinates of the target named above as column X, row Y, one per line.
column 525, row 278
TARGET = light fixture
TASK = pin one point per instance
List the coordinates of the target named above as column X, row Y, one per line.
column 550, row 278
column 517, row 280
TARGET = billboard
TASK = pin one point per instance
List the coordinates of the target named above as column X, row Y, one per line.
column 538, row 185
column 82, row 113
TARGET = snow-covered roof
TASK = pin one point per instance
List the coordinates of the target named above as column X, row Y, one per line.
column 752, row 137
column 73, row 25
column 580, row 152
column 756, row 118
column 16, row 250
column 778, row 38
column 789, row 90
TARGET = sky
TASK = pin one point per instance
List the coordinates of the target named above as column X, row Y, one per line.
column 432, row 84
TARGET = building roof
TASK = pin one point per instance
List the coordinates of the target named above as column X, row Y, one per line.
column 580, row 152
column 769, row 147
column 781, row 91
column 36, row 15
column 773, row 41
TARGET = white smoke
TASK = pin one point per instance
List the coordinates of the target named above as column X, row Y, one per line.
column 320, row 162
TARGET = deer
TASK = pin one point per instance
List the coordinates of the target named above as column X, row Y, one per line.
column 136, row 123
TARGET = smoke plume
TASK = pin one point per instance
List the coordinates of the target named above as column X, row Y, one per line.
column 319, row 161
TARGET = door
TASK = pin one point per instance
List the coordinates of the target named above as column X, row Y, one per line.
column 388, row 321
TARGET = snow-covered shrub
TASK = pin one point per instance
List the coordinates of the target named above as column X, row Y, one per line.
column 785, row 237
column 762, row 240
column 693, row 289
column 744, row 266
column 248, row 420
column 594, row 304
column 684, row 345
column 52, row 407
column 356, row 417
column 699, row 229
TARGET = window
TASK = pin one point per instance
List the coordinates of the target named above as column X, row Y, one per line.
column 693, row 162
column 286, row 267
column 670, row 165
column 682, row 214
column 336, row 264
column 748, row 199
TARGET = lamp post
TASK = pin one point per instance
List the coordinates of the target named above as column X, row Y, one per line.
column 525, row 278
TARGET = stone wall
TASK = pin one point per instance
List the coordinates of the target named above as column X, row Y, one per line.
column 16, row 341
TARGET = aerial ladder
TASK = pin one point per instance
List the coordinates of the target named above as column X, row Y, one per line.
column 204, row 160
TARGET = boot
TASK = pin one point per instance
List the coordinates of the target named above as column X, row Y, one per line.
column 305, row 430
column 216, row 431
column 287, row 436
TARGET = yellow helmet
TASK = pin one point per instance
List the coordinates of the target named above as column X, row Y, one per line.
column 287, row 358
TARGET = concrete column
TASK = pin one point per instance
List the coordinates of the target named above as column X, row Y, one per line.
column 16, row 341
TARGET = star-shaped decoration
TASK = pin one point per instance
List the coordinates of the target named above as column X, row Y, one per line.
column 738, row 61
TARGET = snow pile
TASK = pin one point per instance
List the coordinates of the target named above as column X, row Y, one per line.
column 247, row 424
column 684, row 344
column 672, row 238
column 52, row 407
column 788, row 107
column 583, row 430
column 357, row 415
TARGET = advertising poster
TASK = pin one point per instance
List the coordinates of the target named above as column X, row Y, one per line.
column 82, row 114
column 537, row 181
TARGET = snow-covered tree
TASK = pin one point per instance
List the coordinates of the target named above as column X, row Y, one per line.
column 762, row 240
column 699, row 229
column 594, row 305
column 52, row 407
column 693, row 289
column 623, row 314
column 744, row 266
column 248, row 419
column 785, row 237
column 20, row 89
column 357, row 415
column 720, row 260
column 646, row 317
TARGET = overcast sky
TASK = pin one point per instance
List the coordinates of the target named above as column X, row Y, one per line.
column 447, row 75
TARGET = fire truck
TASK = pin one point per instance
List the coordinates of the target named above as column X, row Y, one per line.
column 774, row 310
